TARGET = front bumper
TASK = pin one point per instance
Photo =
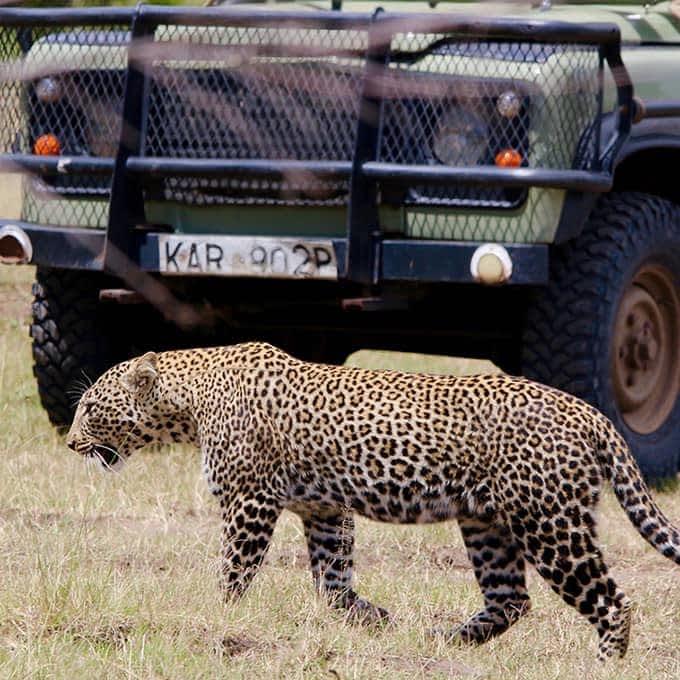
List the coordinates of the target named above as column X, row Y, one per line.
column 398, row 260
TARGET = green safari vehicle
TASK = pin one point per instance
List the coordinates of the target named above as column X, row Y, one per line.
column 480, row 179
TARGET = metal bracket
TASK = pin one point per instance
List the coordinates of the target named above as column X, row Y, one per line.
column 363, row 226
column 126, row 204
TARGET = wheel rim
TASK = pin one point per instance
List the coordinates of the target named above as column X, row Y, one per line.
column 645, row 356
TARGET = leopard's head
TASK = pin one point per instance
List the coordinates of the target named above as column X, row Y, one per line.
column 128, row 407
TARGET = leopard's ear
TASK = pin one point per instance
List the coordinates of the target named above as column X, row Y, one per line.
column 141, row 375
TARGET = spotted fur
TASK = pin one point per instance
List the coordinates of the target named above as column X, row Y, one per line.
column 520, row 465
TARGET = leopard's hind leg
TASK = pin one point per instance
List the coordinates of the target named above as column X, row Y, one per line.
column 330, row 540
column 568, row 558
column 499, row 566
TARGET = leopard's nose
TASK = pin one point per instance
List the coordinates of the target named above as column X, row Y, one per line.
column 71, row 442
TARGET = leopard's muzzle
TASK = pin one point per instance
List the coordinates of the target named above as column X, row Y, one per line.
column 106, row 454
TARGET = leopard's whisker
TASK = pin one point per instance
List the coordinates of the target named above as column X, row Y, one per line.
column 117, row 455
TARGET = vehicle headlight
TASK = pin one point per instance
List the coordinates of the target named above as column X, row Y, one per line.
column 460, row 138
column 48, row 90
column 509, row 104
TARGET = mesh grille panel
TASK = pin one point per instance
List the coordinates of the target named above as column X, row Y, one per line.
column 267, row 104
column 476, row 99
column 263, row 93
column 68, row 83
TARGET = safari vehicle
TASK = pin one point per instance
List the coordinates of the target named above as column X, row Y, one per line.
column 484, row 180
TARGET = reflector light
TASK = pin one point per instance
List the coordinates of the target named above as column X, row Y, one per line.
column 508, row 158
column 47, row 145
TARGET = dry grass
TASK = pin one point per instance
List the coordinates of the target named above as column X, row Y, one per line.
column 114, row 576
column 10, row 195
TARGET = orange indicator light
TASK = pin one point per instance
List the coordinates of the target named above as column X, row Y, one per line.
column 508, row 158
column 47, row 145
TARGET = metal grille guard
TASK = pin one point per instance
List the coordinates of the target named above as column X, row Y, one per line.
column 363, row 247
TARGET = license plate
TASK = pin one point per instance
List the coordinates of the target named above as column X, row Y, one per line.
column 277, row 258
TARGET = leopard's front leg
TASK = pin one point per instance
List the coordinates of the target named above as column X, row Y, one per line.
column 247, row 526
column 242, row 468
column 330, row 541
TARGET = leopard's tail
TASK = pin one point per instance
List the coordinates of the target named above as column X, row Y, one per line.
column 633, row 494
column 621, row 469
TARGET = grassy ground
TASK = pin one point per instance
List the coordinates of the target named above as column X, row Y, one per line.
column 114, row 576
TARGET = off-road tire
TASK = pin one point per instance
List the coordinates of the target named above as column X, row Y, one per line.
column 572, row 336
column 70, row 346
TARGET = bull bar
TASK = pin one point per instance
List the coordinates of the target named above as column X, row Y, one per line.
column 366, row 256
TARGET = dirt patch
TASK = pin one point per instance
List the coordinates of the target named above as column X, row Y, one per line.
column 114, row 634
column 31, row 518
column 291, row 558
column 134, row 563
column 446, row 557
column 232, row 645
column 421, row 667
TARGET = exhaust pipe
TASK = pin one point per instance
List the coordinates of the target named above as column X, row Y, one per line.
column 15, row 245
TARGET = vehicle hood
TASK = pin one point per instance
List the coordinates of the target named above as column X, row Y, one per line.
column 638, row 23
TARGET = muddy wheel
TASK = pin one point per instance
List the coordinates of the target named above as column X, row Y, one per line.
column 646, row 340
column 607, row 327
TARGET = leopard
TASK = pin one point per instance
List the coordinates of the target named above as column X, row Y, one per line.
column 519, row 465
